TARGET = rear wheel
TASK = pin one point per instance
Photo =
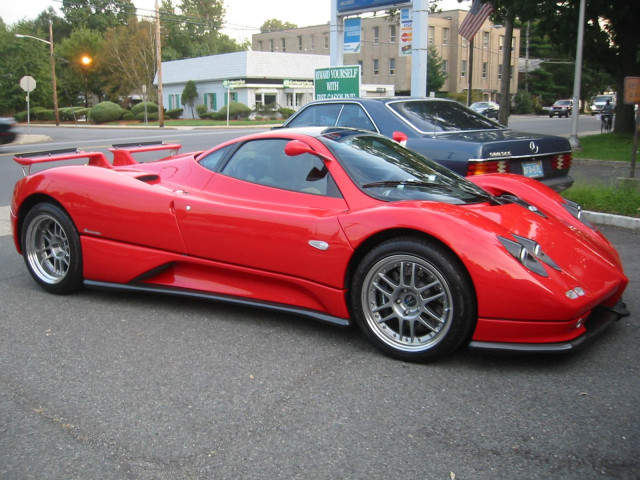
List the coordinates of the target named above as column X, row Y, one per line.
column 51, row 249
column 413, row 299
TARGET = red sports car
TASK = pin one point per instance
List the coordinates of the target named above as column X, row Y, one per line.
column 335, row 224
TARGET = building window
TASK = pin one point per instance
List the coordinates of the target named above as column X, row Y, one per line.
column 376, row 67
column 361, row 69
column 445, row 36
column 272, row 46
column 500, row 72
column 485, row 68
column 211, row 101
column 464, row 43
column 431, row 35
column 392, row 66
column 501, row 43
column 260, row 45
column 392, row 33
column 284, row 45
column 174, row 101
column 313, row 42
column 463, row 68
column 485, row 40
column 326, row 42
column 299, row 43
column 232, row 96
column 376, row 34
column 445, row 66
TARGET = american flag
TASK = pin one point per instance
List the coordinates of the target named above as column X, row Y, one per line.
column 478, row 13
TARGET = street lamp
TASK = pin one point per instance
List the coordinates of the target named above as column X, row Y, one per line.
column 53, row 68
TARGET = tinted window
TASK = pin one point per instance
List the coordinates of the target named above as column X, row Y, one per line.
column 386, row 170
column 434, row 116
column 212, row 160
column 317, row 115
column 264, row 162
column 354, row 116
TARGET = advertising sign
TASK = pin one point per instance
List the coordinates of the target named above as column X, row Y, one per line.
column 367, row 5
column 337, row 82
column 406, row 31
column 352, row 35
column 631, row 90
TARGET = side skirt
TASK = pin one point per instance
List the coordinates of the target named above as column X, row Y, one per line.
column 314, row 315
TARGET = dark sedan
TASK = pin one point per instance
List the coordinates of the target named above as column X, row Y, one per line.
column 449, row 133
column 7, row 132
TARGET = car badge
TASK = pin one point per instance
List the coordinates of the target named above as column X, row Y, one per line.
column 533, row 147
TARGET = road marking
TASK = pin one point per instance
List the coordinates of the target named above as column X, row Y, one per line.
column 5, row 221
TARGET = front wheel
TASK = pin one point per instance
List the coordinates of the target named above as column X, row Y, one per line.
column 51, row 249
column 414, row 300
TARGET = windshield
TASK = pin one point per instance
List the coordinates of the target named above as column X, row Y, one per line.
column 432, row 116
column 386, row 170
column 603, row 98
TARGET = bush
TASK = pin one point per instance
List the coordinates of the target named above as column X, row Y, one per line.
column 175, row 113
column 106, row 112
column 286, row 112
column 43, row 114
column 201, row 110
column 70, row 114
column 139, row 107
column 236, row 111
column 524, row 103
column 128, row 116
column 21, row 116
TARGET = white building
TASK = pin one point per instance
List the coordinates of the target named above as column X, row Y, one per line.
column 255, row 78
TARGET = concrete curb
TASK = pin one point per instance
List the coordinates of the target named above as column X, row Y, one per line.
column 610, row 219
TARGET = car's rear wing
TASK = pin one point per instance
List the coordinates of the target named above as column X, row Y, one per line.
column 122, row 155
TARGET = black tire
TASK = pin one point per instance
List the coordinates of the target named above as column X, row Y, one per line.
column 51, row 249
column 427, row 314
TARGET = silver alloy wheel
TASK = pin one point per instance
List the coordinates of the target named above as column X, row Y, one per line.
column 47, row 248
column 407, row 303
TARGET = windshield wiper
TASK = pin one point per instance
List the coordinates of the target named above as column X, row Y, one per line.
column 413, row 183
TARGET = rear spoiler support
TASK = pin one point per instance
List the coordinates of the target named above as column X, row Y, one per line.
column 122, row 155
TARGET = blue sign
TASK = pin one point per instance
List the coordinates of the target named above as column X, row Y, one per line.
column 367, row 5
column 352, row 28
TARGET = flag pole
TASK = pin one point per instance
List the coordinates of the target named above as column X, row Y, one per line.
column 470, row 68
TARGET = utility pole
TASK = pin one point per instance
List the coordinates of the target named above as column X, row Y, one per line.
column 159, row 63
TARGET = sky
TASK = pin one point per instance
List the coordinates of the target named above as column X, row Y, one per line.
column 243, row 17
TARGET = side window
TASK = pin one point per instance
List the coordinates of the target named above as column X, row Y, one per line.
column 264, row 162
column 212, row 160
column 317, row 115
column 354, row 116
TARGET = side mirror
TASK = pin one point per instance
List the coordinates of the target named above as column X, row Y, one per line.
column 400, row 137
column 297, row 147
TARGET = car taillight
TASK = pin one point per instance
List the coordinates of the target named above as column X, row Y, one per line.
column 493, row 166
column 562, row 161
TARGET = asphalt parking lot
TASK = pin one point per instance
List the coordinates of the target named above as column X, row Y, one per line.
column 101, row 385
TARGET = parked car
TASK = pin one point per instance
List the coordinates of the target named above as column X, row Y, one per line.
column 561, row 108
column 335, row 224
column 7, row 130
column 449, row 133
column 600, row 101
column 488, row 109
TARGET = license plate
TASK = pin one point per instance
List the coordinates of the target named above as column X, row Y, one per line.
column 532, row 169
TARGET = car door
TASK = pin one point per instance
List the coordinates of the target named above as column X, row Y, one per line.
column 271, row 212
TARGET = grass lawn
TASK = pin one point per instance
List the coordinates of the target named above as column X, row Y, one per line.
column 607, row 146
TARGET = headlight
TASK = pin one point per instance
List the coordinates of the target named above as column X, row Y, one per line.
column 529, row 253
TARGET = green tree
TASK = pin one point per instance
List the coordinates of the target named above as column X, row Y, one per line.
column 274, row 24
column 435, row 75
column 128, row 56
column 98, row 14
column 190, row 95
column 81, row 79
column 21, row 57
